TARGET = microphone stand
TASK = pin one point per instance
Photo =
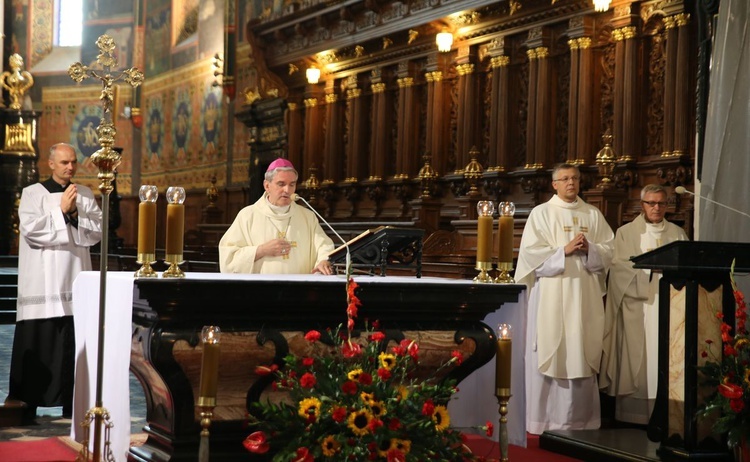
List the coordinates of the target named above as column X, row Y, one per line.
column 681, row 190
column 296, row 197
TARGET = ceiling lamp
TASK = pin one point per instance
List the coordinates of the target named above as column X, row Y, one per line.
column 601, row 5
column 444, row 41
column 313, row 74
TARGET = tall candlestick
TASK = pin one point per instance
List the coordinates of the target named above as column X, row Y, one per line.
column 209, row 366
column 503, row 360
column 175, row 230
column 505, row 238
column 485, row 209
column 146, row 254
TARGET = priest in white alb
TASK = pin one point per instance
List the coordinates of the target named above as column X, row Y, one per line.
column 275, row 235
column 629, row 362
column 565, row 251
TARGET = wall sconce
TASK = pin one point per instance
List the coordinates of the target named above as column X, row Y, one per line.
column 444, row 41
column 601, row 5
column 312, row 74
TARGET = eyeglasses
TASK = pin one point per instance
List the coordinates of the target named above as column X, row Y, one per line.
column 655, row 203
column 565, row 179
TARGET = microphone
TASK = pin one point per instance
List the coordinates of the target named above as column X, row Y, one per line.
column 296, row 197
column 681, row 190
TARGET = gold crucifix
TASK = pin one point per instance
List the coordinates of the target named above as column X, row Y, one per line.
column 282, row 235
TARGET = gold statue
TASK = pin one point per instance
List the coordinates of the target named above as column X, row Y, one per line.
column 17, row 82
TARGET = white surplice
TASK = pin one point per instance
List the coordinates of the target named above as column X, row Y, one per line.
column 566, row 314
column 630, row 358
column 261, row 222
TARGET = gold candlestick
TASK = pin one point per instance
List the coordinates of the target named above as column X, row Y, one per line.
column 208, row 385
column 147, row 231
column 175, row 231
column 505, row 237
column 502, row 384
column 485, row 210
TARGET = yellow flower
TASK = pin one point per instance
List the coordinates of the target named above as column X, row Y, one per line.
column 367, row 398
column 387, row 360
column 403, row 393
column 359, row 422
column 309, row 406
column 377, row 408
column 354, row 375
column 740, row 343
column 330, row 446
column 747, row 377
column 441, row 418
column 402, row 445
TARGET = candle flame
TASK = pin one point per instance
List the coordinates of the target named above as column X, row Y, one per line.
column 504, row 331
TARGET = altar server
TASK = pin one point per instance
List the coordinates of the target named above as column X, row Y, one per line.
column 275, row 235
column 566, row 248
column 629, row 362
column 59, row 221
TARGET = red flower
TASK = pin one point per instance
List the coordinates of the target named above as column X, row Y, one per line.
column 303, row 455
column 730, row 390
column 428, row 408
column 308, row 362
column 737, row 405
column 312, row 336
column 339, row 414
column 490, row 427
column 377, row 337
column 709, row 341
column 375, row 424
column 350, row 289
column 351, row 310
column 350, row 324
column 703, row 354
column 307, row 380
column 729, row 350
column 349, row 387
column 376, row 324
column 394, row 424
column 365, row 378
column 411, row 347
column 256, row 443
column 394, row 455
column 458, row 356
column 351, row 349
column 266, row 370
column 384, row 373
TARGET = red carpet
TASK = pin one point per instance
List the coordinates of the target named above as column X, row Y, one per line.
column 45, row 450
column 489, row 449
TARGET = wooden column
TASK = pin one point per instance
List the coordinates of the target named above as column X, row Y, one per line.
column 407, row 146
column 573, row 101
column 334, row 146
column 380, row 136
column 585, row 153
column 670, row 70
column 465, row 118
column 542, row 126
column 619, row 91
column 682, row 99
column 499, row 115
column 531, row 110
column 313, row 153
column 356, row 165
column 296, row 134
column 630, row 132
column 437, row 130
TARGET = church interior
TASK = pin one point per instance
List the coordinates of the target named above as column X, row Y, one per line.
column 400, row 113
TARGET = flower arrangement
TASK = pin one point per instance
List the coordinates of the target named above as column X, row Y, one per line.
column 357, row 398
column 728, row 372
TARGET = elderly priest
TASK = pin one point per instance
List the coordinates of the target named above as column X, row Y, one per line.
column 275, row 235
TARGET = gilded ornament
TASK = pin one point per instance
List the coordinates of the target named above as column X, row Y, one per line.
column 17, row 82
column 413, row 34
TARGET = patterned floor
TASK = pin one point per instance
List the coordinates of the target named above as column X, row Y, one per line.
column 49, row 419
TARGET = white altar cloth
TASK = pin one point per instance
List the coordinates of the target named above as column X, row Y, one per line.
column 476, row 402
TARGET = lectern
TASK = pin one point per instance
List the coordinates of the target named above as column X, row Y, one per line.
column 695, row 286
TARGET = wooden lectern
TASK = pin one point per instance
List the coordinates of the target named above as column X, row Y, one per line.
column 694, row 287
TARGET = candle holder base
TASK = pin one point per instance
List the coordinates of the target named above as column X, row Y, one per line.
column 503, row 396
column 102, row 450
column 504, row 276
column 174, row 270
column 207, row 412
column 483, row 276
column 146, row 271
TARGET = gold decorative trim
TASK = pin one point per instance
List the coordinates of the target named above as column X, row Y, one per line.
column 18, row 137
column 629, row 32
column 353, row 93
column 465, row 69
column 331, row 98
column 311, row 102
column 378, row 87
column 499, row 61
column 292, row 106
column 584, row 42
column 682, row 19
column 669, row 22
column 435, row 76
column 405, row 82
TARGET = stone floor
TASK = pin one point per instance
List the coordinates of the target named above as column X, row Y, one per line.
column 49, row 419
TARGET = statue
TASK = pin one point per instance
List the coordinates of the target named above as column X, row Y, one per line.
column 17, row 82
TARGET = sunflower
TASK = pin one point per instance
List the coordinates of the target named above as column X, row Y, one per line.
column 441, row 418
column 747, row 377
column 740, row 343
column 308, row 407
column 330, row 446
column 387, row 360
column 354, row 374
column 403, row 393
column 401, row 445
column 377, row 408
column 359, row 422
column 367, row 398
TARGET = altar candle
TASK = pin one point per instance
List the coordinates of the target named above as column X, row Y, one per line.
column 485, row 209
column 210, row 364
column 147, row 220
column 175, row 220
column 505, row 231
column 503, row 357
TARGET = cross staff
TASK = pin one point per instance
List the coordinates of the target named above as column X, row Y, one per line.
column 107, row 160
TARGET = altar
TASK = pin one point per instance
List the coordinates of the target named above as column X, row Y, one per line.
column 263, row 317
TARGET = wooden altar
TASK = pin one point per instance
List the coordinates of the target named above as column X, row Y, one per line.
column 263, row 319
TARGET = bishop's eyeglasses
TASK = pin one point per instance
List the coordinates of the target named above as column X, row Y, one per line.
column 655, row 203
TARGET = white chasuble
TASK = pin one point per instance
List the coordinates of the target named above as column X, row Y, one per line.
column 259, row 223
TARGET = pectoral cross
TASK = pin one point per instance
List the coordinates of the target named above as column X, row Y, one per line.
column 576, row 228
column 282, row 235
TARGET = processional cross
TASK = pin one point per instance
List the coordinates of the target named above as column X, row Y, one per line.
column 107, row 160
